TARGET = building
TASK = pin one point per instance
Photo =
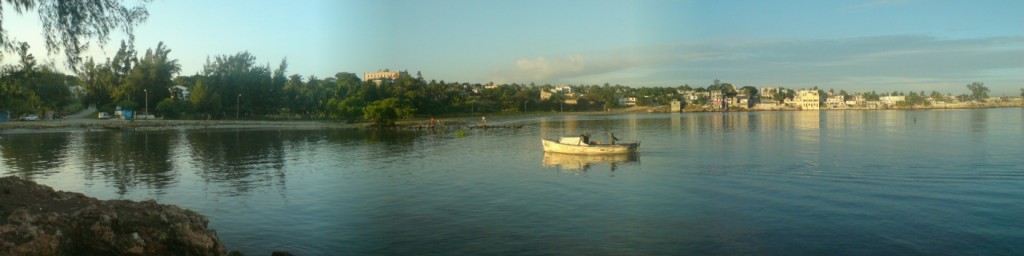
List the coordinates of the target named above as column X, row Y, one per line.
column 77, row 91
column 627, row 101
column 383, row 75
column 718, row 100
column 768, row 92
column 564, row 89
column 676, row 106
column 807, row 99
column 835, row 101
column 179, row 92
column 545, row 94
column 892, row 100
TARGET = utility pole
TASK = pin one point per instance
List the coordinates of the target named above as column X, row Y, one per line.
column 147, row 102
column 238, row 105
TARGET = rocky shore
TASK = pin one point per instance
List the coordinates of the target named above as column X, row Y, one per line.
column 36, row 220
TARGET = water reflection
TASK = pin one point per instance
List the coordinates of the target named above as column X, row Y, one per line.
column 242, row 160
column 128, row 158
column 32, row 155
column 583, row 163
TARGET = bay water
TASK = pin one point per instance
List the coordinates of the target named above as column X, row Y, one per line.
column 938, row 182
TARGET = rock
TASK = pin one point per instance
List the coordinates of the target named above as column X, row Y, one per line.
column 279, row 253
column 36, row 220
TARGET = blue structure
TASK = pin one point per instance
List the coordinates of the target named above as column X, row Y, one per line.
column 128, row 114
column 5, row 116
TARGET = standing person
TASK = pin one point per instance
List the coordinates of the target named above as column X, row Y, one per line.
column 585, row 136
column 484, row 120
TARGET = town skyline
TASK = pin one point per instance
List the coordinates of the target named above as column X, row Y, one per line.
column 854, row 45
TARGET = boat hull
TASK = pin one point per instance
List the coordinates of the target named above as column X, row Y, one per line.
column 586, row 149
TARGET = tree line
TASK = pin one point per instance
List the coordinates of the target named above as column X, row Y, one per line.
column 236, row 87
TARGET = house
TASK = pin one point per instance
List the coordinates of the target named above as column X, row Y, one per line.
column 179, row 92
column 769, row 91
column 807, row 99
column 545, row 94
column 835, row 101
column 716, row 99
column 892, row 100
column 627, row 101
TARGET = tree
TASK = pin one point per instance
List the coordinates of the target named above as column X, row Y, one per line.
column 151, row 77
column 172, row 108
column 230, row 76
column 29, row 87
column 203, row 99
column 1022, row 92
column 69, row 25
column 978, row 91
column 385, row 112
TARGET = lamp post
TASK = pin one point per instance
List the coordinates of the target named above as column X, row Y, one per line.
column 147, row 102
column 238, row 105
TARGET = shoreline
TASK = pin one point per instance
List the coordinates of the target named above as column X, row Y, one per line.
column 495, row 120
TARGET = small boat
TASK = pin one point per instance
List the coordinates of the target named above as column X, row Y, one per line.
column 577, row 146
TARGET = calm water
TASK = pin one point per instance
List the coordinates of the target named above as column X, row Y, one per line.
column 859, row 182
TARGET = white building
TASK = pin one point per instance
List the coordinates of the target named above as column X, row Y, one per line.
column 382, row 75
column 892, row 100
column 807, row 99
column 836, row 101
column 627, row 101
column 179, row 92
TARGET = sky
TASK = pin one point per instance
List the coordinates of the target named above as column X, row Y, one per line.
column 857, row 45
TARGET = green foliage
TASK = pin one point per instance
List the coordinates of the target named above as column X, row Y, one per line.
column 127, row 104
column 70, row 25
column 171, row 108
column 151, row 77
column 978, row 91
column 914, row 99
column 30, row 88
column 385, row 112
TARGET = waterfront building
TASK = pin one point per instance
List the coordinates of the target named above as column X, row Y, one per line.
column 715, row 98
column 807, row 99
column 835, row 101
column 892, row 100
column 676, row 106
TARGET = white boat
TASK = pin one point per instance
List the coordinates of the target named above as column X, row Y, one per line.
column 576, row 146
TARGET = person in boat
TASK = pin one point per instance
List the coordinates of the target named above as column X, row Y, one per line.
column 613, row 138
column 585, row 137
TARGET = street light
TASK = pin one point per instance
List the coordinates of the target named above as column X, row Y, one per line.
column 238, row 105
column 147, row 102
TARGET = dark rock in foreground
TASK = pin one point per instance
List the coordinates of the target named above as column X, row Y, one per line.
column 36, row 220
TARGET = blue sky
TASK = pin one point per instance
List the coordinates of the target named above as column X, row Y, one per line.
column 881, row 45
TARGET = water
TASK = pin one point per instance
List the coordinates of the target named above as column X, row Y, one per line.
column 946, row 182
